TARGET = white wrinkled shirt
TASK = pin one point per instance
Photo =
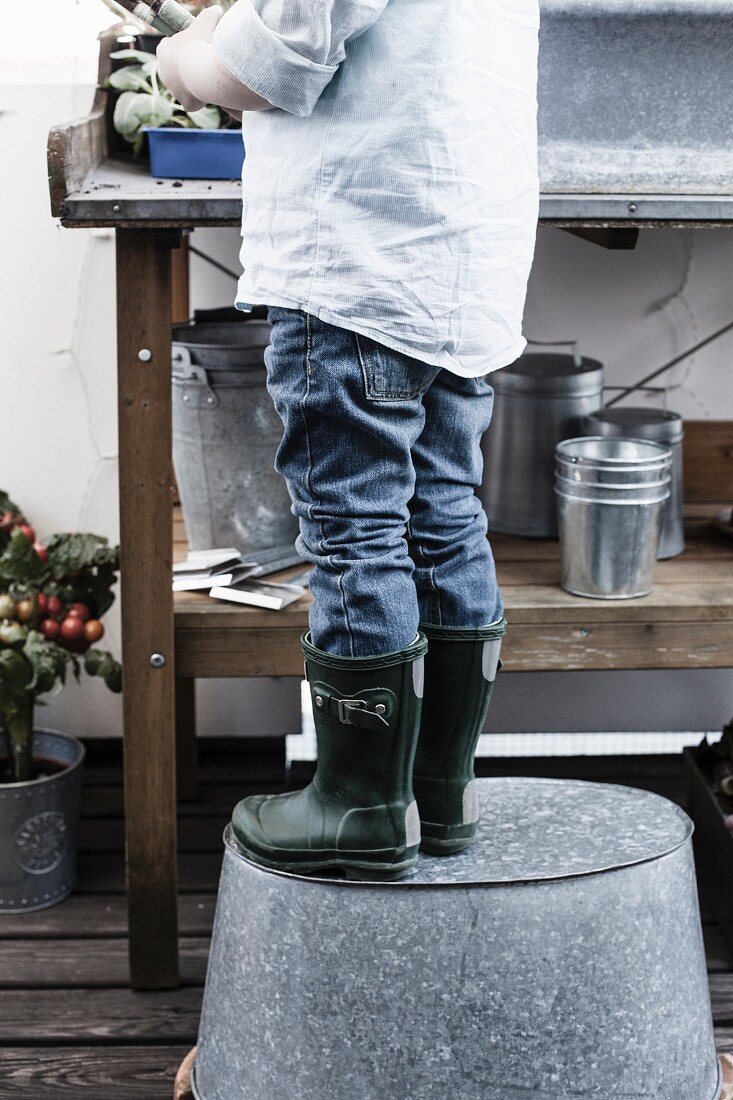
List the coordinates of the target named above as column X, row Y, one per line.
column 394, row 191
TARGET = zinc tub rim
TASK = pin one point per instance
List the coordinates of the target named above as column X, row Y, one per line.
column 231, row 845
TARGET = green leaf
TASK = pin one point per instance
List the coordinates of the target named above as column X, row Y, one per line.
column 130, row 79
column 68, row 553
column 206, row 118
column 94, row 588
column 48, row 662
column 99, row 662
column 134, row 110
column 19, row 561
column 134, row 55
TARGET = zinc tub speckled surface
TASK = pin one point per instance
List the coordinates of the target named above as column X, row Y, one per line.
column 559, row 957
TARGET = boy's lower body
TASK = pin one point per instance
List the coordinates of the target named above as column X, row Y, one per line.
column 382, row 454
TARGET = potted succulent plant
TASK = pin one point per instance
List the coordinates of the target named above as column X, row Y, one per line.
column 52, row 597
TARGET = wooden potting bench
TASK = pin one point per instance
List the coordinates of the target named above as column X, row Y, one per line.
column 167, row 644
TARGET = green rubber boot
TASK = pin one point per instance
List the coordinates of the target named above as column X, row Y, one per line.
column 460, row 671
column 359, row 814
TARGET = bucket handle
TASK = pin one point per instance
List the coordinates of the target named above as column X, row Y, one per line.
column 574, row 344
column 200, row 396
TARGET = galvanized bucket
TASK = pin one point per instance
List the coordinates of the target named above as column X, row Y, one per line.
column 538, row 401
column 225, row 436
column 610, row 495
column 661, row 426
column 560, row 957
column 39, row 822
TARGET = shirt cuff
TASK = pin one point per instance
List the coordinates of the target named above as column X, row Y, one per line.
column 260, row 59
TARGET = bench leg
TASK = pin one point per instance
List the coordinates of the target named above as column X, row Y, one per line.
column 187, row 763
column 146, row 545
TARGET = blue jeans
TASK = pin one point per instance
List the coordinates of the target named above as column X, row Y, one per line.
column 381, row 454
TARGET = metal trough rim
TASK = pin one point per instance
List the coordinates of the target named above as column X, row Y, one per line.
column 232, row 846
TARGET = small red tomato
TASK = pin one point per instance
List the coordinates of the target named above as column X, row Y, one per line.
column 41, row 550
column 27, row 531
column 9, row 519
column 80, row 611
column 54, row 607
column 93, row 630
column 42, row 604
column 51, row 630
column 24, row 610
column 72, row 629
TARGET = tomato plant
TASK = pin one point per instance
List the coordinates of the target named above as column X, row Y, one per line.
column 52, row 596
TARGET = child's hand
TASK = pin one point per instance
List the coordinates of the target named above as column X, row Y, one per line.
column 179, row 57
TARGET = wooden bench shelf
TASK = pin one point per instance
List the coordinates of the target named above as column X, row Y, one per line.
column 686, row 622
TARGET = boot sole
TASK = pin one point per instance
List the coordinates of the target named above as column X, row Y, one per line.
column 434, row 847
column 356, row 870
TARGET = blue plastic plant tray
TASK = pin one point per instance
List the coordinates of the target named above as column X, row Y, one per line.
column 176, row 153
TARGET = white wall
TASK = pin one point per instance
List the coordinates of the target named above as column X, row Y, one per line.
column 58, row 444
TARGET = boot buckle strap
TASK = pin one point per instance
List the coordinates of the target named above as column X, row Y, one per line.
column 351, row 704
column 371, row 710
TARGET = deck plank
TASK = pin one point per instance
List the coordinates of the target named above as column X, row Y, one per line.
column 99, row 1015
column 100, row 916
column 90, row 1072
column 55, row 963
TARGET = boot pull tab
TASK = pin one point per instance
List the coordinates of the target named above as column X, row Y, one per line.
column 371, row 709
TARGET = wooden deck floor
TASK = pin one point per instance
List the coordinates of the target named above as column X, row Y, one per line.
column 69, row 1026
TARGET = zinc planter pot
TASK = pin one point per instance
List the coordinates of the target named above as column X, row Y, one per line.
column 177, row 153
column 39, row 822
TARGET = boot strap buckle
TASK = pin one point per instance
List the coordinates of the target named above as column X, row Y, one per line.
column 354, row 704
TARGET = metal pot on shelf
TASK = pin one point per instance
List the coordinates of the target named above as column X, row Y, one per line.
column 610, row 495
column 226, row 432
column 660, row 426
column 540, row 400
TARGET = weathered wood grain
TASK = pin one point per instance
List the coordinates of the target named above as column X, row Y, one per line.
column 102, row 963
column 99, row 1015
column 708, row 460
column 76, row 148
column 700, row 636
column 100, row 916
column 146, row 493
column 90, row 1072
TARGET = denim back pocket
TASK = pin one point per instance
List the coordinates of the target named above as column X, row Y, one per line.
column 391, row 375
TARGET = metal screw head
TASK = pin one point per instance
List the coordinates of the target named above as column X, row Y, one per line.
column 380, row 708
column 116, row 208
column 145, row 355
column 186, row 397
column 157, row 660
column 632, row 208
column 319, row 700
column 209, row 400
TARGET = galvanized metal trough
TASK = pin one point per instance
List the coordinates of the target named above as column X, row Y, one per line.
column 636, row 97
column 561, row 956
